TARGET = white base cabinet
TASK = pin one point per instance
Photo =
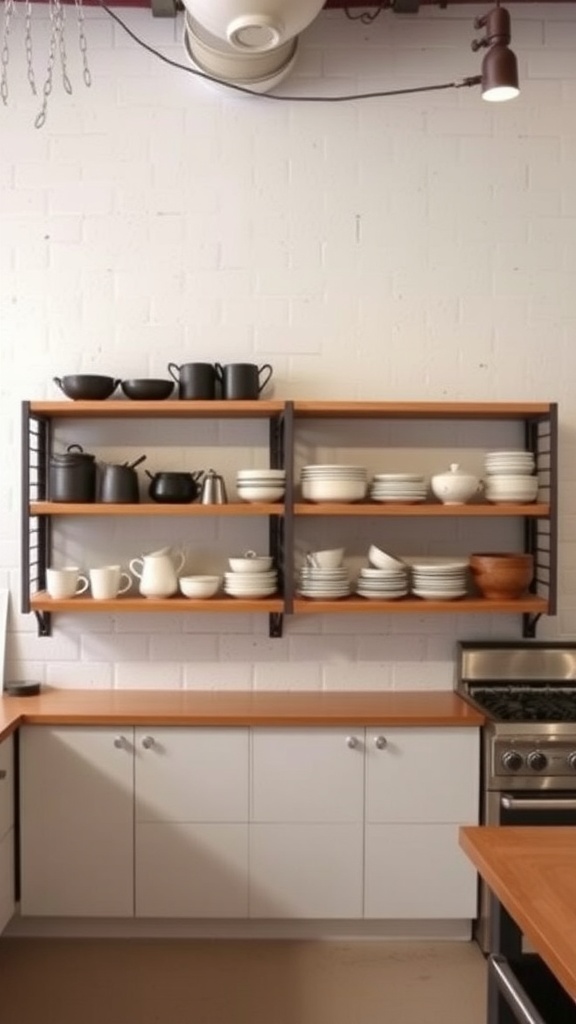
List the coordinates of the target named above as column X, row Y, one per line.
column 7, row 902
column 421, row 784
column 263, row 823
column 306, row 825
column 191, row 789
column 77, row 821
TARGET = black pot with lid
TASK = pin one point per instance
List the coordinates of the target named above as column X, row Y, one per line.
column 72, row 475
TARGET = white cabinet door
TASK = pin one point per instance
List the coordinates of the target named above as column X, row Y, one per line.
column 306, row 831
column 422, row 774
column 77, row 821
column 192, row 822
column 421, row 784
column 6, row 831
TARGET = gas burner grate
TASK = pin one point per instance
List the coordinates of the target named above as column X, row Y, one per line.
column 527, row 703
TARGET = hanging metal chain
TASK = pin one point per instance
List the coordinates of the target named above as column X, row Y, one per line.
column 47, row 87
column 5, row 53
column 59, row 27
column 28, row 46
column 83, row 45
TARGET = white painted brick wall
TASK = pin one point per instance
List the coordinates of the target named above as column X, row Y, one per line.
column 417, row 247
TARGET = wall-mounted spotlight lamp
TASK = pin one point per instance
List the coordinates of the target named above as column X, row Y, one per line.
column 499, row 78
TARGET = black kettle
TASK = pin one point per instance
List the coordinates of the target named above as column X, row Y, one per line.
column 72, row 475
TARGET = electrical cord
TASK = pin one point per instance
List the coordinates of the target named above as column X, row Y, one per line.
column 346, row 98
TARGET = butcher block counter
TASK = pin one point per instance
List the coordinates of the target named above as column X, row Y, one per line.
column 531, row 872
column 265, row 708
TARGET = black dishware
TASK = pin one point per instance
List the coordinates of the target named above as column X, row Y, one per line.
column 147, row 389
column 243, row 380
column 174, row 487
column 196, row 381
column 86, row 386
column 119, row 483
column 72, row 475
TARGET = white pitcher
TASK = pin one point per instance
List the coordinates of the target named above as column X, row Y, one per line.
column 157, row 573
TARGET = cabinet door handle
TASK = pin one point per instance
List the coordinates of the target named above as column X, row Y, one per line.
column 147, row 742
column 380, row 743
column 3, row 773
column 352, row 742
column 120, row 743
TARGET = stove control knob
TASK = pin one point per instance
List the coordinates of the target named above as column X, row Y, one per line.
column 512, row 760
column 572, row 760
column 537, row 760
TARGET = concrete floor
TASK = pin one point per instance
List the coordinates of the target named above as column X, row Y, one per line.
column 81, row 981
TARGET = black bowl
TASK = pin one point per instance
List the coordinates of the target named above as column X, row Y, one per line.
column 86, row 386
column 147, row 389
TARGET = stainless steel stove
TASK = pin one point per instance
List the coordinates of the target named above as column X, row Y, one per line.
column 527, row 690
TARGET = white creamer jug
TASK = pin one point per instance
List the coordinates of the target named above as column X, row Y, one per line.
column 157, row 572
column 455, row 487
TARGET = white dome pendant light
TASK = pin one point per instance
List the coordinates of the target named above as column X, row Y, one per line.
column 246, row 42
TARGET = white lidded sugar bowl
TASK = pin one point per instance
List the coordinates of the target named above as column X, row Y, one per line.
column 455, row 487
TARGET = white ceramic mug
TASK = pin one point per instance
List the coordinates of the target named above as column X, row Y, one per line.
column 66, row 582
column 107, row 581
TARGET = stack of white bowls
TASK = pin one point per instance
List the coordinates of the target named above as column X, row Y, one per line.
column 383, row 584
column 334, row 483
column 324, row 577
column 266, row 485
column 404, row 488
column 251, row 576
column 439, row 579
column 509, row 478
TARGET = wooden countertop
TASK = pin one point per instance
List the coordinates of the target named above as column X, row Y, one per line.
column 532, row 871
column 188, row 707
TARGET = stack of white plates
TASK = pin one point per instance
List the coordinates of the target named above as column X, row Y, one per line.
column 383, row 584
column 516, row 463
column 261, row 484
column 439, row 579
column 405, row 488
column 335, row 483
column 249, row 585
column 509, row 478
column 324, row 584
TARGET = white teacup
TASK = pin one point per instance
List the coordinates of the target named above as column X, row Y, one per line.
column 66, row 582
column 331, row 558
column 107, row 581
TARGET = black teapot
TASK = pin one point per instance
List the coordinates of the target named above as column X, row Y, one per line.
column 174, row 487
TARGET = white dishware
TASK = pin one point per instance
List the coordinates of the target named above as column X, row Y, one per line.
column 66, row 582
column 108, row 581
column 250, row 562
column 260, row 492
column 455, row 487
column 330, row 558
column 382, row 560
column 158, row 573
column 199, row 587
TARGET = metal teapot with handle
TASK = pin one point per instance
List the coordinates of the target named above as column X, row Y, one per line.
column 213, row 489
column 157, row 572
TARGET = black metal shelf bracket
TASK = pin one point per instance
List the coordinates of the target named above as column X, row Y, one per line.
column 529, row 624
column 44, row 620
column 275, row 624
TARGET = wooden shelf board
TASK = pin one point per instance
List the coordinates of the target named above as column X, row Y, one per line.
column 39, row 508
column 422, row 410
column 423, row 509
column 42, row 602
column 170, row 409
column 531, row 604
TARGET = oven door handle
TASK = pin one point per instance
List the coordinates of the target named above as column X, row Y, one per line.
column 521, row 1005
column 518, row 803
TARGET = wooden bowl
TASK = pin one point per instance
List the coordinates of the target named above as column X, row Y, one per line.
column 502, row 576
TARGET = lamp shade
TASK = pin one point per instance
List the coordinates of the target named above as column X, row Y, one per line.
column 499, row 75
column 256, row 26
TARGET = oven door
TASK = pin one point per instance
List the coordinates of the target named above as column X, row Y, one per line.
column 544, row 807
